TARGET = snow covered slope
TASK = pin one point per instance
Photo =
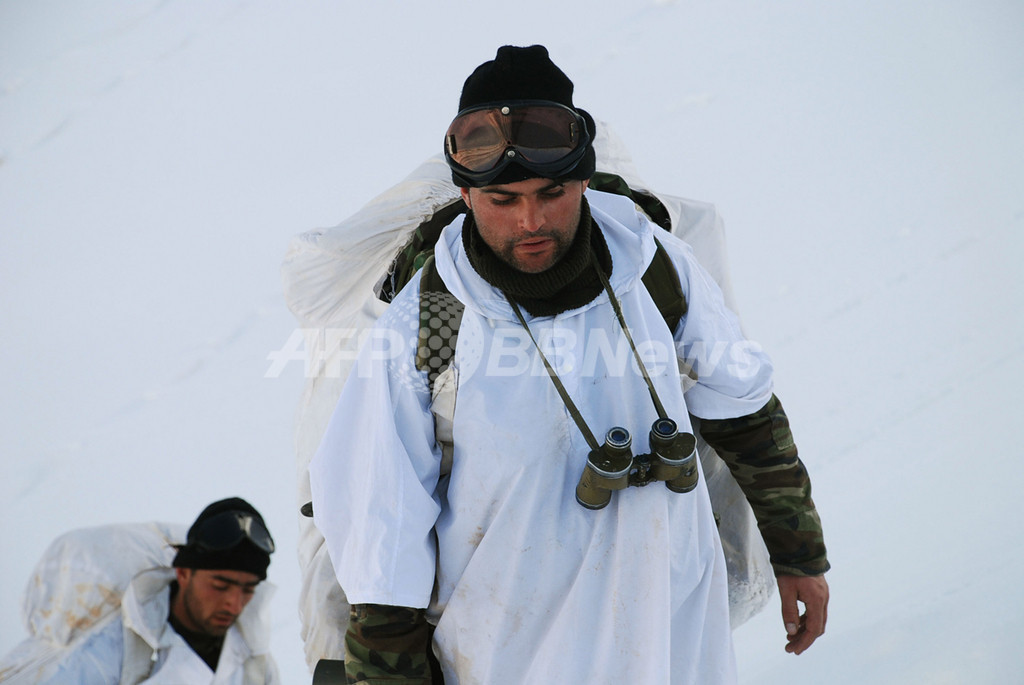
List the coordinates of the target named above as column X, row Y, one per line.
column 157, row 155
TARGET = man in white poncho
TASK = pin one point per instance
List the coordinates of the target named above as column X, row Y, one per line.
column 144, row 604
column 527, row 556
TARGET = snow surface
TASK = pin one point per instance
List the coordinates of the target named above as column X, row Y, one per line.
column 868, row 157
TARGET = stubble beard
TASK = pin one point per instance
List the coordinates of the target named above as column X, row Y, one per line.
column 562, row 240
column 507, row 253
column 194, row 612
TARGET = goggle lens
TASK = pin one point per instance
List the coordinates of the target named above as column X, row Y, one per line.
column 228, row 529
column 480, row 140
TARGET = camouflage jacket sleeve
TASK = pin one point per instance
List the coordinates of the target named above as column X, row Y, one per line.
column 760, row 451
column 387, row 644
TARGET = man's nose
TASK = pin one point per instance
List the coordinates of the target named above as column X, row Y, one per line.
column 531, row 216
column 234, row 601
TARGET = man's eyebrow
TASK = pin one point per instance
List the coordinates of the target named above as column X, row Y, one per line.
column 231, row 581
column 498, row 190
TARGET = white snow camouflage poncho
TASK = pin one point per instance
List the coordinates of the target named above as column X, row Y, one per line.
column 330, row 277
column 531, row 586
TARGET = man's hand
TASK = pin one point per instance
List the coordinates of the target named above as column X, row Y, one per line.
column 812, row 591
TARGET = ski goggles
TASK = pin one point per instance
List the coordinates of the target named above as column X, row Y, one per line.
column 545, row 137
column 229, row 529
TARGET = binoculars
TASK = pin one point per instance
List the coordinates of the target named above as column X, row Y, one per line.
column 673, row 460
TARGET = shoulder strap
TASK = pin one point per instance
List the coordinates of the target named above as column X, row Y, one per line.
column 662, row 281
column 652, row 206
column 420, row 246
column 440, row 316
column 441, row 313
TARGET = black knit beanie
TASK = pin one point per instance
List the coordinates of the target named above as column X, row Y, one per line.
column 245, row 556
column 525, row 74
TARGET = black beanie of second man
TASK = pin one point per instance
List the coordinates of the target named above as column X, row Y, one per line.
column 528, row 73
column 245, row 556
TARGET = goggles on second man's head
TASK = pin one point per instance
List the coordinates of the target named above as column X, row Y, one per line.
column 227, row 530
column 546, row 138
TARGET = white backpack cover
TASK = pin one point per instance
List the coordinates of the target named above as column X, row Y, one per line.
column 76, row 588
column 331, row 281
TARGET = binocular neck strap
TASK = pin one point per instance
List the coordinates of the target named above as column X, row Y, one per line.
column 569, row 404
column 625, row 330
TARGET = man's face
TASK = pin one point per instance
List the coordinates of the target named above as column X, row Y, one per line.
column 529, row 224
column 209, row 602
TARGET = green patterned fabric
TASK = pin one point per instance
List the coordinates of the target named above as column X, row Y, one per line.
column 760, row 451
column 387, row 645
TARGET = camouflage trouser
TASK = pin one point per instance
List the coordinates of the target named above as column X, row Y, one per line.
column 388, row 644
column 762, row 456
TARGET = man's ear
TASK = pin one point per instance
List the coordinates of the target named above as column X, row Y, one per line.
column 465, row 197
column 183, row 575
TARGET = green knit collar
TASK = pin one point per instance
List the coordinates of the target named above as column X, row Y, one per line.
column 569, row 284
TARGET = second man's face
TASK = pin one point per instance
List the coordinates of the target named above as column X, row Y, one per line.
column 528, row 224
column 209, row 602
